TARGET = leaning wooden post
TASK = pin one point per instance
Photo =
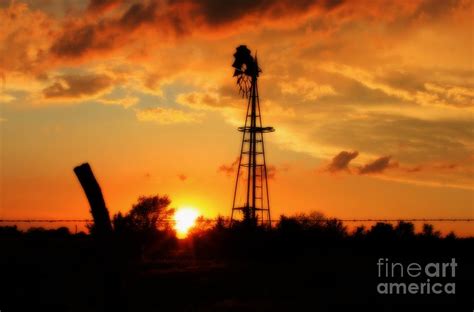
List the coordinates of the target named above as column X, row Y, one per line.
column 108, row 265
column 102, row 224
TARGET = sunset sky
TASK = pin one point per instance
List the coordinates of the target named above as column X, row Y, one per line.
column 372, row 102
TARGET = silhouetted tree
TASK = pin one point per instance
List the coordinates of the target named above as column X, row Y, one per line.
column 201, row 228
column 314, row 221
column 429, row 232
column 146, row 223
column 289, row 225
column 221, row 223
column 405, row 230
column 451, row 236
column 335, row 229
column 381, row 231
column 9, row 231
column 359, row 232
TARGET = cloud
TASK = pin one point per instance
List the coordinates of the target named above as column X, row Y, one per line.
column 413, row 169
column 125, row 102
column 6, row 98
column 75, row 42
column 203, row 100
column 378, row 165
column 341, row 161
column 78, row 86
column 217, row 13
column 307, row 89
column 368, row 79
column 427, row 173
column 271, row 172
column 109, row 26
column 229, row 169
column 24, row 40
column 411, row 140
column 166, row 116
column 106, row 34
column 410, row 89
column 173, row 19
column 100, row 6
column 451, row 95
column 433, row 167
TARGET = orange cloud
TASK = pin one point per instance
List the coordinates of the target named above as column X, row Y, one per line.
column 167, row 116
column 182, row 177
column 378, row 165
column 341, row 161
column 101, row 6
column 79, row 38
column 111, row 27
column 231, row 168
column 78, row 86
column 271, row 172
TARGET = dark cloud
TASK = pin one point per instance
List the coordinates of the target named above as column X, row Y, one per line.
column 74, row 42
column 181, row 17
column 178, row 18
column 99, row 6
column 448, row 166
column 182, row 177
column 104, row 34
column 271, row 172
column 231, row 168
column 411, row 139
column 433, row 167
column 378, row 165
column 437, row 8
column 137, row 15
column 77, row 86
column 223, row 12
column 341, row 161
column 413, row 169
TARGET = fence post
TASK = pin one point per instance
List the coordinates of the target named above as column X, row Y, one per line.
column 102, row 224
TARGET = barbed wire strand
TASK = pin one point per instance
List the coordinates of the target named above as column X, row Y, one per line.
column 215, row 220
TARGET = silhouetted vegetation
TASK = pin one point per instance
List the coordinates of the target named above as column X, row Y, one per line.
column 304, row 233
column 144, row 267
column 145, row 228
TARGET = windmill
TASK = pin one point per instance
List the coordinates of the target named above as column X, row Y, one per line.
column 251, row 202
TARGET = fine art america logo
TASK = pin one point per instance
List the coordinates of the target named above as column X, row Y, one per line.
column 415, row 278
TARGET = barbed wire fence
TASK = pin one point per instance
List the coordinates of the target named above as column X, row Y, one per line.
column 78, row 225
column 273, row 221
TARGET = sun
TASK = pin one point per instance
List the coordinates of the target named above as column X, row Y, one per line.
column 184, row 219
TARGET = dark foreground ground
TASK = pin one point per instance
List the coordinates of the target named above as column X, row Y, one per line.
column 75, row 273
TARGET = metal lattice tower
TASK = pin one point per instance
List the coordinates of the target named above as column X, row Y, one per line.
column 251, row 196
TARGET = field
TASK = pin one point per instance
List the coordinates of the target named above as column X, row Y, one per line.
column 63, row 272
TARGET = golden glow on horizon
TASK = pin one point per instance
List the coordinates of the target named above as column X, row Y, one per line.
column 185, row 218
